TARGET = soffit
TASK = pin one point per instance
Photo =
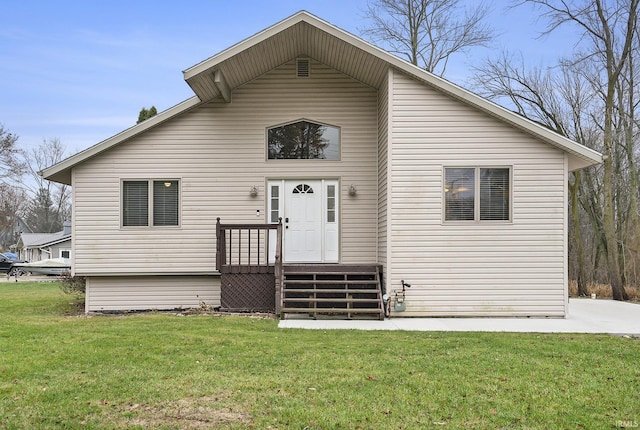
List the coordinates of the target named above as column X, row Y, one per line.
column 298, row 40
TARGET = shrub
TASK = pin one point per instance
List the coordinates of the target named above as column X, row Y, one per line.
column 72, row 284
column 603, row 291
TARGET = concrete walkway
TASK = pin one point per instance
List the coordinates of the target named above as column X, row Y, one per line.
column 585, row 316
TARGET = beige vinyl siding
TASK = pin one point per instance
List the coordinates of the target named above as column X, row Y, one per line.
column 514, row 268
column 218, row 152
column 151, row 292
column 383, row 153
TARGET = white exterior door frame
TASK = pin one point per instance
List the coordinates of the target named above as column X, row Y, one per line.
column 310, row 216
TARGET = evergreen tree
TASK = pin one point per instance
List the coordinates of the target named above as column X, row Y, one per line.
column 146, row 113
column 10, row 164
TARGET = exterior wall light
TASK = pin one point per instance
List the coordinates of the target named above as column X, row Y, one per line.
column 353, row 190
column 253, row 192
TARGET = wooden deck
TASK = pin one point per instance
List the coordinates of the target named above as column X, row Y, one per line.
column 250, row 277
column 252, row 280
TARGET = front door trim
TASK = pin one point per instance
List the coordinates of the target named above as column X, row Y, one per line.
column 281, row 202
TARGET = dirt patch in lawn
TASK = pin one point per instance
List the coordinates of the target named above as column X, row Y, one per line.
column 189, row 413
column 75, row 308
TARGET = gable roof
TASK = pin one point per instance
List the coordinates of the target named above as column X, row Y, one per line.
column 39, row 240
column 305, row 35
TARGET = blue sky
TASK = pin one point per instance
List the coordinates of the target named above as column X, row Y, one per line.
column 81, row 71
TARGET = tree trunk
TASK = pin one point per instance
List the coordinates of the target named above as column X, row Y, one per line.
column 613, row 267
column 577, row 234
column 614, row 68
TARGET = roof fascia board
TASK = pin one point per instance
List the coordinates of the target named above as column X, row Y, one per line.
column 501, row 112
column 593, row 157
column 302, row 16
column 55, row 242
column 460, row 93
column 120, row 137
column 473, row 99
column 244, row 44
column 588, row 155
column 44, row 242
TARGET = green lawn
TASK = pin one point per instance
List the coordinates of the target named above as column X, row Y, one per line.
column 162, row 370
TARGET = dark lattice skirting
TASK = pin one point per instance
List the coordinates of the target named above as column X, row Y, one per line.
column 248, row 292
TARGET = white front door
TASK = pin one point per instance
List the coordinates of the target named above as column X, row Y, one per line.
column 302, row 222
column 309, row 211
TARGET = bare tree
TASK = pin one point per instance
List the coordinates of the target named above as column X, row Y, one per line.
column 605, row 119
column 609, row 30
column 51, row 201
column 427, row 32
column 12, row 208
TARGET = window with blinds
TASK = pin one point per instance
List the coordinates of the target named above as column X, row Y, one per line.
column 477, row 194
column 135, row 203
column 494, row 195
column 145, row 202
column 459, row 194
column 165, row 203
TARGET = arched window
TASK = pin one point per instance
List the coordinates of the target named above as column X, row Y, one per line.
column 303, row 140
column 303, row 189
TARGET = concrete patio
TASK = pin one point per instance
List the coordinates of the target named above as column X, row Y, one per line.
column 585, row 316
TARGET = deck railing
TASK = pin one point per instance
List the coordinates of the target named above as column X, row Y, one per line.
column 246, row 249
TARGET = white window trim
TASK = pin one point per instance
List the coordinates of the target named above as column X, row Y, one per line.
column 150, row 225
column 476, row 193
column 301, row 160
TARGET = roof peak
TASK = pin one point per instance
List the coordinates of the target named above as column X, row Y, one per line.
column 216, row 77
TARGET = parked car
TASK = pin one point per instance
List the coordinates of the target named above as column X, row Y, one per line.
column 7, row 260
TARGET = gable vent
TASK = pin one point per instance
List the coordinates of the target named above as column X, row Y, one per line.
column 303, row 68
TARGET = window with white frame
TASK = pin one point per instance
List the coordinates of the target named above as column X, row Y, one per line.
column 150, row 203
column 477, row 194
column 303, row 140
column 274, row 207
column 331, row 203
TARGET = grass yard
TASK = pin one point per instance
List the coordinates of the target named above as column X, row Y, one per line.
column 164, row 371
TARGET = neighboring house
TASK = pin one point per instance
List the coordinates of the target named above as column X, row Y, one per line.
column 12, row 228
column 367, row 159
column 42, row 246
